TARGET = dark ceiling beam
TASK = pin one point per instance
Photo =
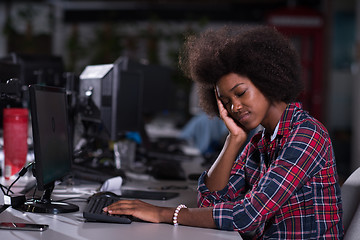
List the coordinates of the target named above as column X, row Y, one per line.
column 176, row 12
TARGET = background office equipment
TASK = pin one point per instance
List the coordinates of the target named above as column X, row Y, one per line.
column 119, row 99
column 157, row 93
column 99, row 98
column 113, row 97
column 33, row 69
column 111, row 102
column 158, row 96
column 52, row 146
column 21, row 70
column 39, row 69
column 8, row 71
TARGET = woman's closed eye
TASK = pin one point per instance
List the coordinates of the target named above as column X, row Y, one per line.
column 227, row 101
column 240, row 94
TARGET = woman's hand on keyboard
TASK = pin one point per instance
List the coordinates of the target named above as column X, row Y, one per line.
column 141, row 210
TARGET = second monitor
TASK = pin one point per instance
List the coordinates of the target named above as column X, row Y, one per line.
column 113, row 97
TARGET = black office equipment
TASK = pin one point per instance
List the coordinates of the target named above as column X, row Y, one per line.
column 99, row 174
column 8, row 71
column 40, row 69
column 112, row 96
column 159, row 94
column 52, row 146
column 94, row 212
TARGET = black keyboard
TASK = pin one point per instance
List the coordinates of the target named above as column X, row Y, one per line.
column 94, row 213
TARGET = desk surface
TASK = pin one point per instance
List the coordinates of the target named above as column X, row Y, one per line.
column 72, row 225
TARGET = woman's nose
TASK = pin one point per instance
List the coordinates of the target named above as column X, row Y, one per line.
column 236, row 107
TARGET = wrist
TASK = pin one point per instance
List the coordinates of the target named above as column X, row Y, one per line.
column 166, row 214
column 236, row 140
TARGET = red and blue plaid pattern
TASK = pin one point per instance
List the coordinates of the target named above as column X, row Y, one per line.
column 282, row 189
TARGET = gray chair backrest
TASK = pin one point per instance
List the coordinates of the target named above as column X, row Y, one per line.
column 350, row 193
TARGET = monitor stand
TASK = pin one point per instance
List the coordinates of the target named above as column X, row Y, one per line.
column 46, row 205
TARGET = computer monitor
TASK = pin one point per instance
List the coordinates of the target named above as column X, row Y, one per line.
column 159, row 89
column 52, row 146
column 113, row 98
column 40, row 69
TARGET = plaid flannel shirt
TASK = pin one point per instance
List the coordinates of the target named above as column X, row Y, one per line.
column 286, row 188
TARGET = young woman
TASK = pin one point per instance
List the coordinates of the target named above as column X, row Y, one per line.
column 284, row 184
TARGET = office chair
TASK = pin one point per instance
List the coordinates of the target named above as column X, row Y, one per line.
column 350, row 192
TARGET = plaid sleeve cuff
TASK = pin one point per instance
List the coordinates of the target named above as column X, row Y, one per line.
column 223, row 216
column 201, row 183
column 214, row 196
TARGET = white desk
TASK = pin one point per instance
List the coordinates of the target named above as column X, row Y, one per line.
column 72, row 226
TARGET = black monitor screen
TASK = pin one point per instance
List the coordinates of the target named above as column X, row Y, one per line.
column 126, row 103
column 51, row 134
column 158, row 95
column 52, row 145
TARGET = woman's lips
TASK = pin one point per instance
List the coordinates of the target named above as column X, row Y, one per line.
column 243, row 117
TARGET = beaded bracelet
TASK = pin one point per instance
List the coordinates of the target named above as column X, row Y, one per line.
column 176, row 213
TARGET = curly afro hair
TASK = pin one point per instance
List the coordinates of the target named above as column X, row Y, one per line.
column 259, row 53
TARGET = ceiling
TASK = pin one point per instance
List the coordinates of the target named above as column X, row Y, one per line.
column 131, row 10
column 213, row 10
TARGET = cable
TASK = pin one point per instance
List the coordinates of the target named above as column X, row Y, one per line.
column 73, row 198
column 21, row 173
column 2, row 189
